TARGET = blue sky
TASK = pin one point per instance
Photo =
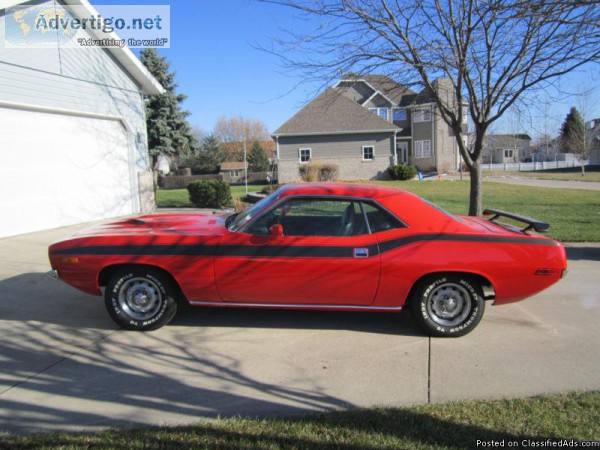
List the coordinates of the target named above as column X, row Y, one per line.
column 217, row 67
column 223, row 75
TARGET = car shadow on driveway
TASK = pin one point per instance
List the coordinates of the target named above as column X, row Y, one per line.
column 379, row 323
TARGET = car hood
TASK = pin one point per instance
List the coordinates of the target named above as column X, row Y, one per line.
column 161, row 224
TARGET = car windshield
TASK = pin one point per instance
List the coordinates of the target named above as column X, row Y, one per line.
column 237, row 221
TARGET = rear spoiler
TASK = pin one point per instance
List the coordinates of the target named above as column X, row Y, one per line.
column 540, row 227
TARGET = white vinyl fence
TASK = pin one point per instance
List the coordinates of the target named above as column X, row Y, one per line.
column 526, row 167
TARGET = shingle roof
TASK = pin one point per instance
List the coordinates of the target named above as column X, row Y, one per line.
column 393, row 90
column 332, row 112
column 505, row 140
column 233, row 165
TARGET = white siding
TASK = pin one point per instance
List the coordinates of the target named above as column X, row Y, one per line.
column 87, row 80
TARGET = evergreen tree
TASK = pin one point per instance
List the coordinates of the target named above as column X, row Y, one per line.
column 209, row 157
column 572, row 132
column 168, row 130
column 573, row 137
column 258, row 160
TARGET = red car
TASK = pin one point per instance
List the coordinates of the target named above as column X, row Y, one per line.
column 314, row 246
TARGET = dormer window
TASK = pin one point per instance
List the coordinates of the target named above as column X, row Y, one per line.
column 381, row 112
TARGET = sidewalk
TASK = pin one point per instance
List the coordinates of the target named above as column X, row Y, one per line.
column 535, row 182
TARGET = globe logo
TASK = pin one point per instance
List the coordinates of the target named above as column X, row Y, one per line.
column 38, row 26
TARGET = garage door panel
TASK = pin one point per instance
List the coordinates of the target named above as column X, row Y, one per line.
column 61, row 170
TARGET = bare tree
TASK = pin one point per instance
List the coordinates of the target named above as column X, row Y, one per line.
column 545, row 131
column 237, row 133
column 494, row 52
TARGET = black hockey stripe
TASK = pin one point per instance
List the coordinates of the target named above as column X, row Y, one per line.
column 274, row 251
column 395, row 243
column 154, row 250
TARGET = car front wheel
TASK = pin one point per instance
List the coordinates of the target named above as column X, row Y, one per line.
column 140, row 298
column 447, row 305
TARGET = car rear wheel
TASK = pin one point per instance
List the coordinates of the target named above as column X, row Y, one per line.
column 140, row 298
column 447, row 305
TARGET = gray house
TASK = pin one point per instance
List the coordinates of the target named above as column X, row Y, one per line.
column 364, row 125
column 73, row 140
column 592, row 128
column 506, row 148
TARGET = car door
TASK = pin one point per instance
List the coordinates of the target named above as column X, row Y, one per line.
column 325, row 256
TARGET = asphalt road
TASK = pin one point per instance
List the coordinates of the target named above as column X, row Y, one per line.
column 64, row 365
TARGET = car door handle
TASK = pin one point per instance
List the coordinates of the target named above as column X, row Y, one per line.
column 361, row 252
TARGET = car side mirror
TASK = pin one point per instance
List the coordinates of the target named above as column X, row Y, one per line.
column 276, row 230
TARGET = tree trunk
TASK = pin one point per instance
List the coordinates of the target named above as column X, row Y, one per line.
column 582, row 170
column 476, row 194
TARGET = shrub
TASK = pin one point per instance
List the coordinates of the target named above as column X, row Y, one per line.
column 210, row 194
column 402, row 172
column 317, row 171
column 309, row 172
column 328, row 172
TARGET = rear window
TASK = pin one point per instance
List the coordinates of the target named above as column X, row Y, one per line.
column 380, row 219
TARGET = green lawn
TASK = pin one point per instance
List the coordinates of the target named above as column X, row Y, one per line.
column 455, row 425
column 592, row 173
column 574, row 215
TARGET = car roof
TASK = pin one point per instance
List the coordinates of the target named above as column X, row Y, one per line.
column 342, row 189
column 410, row 208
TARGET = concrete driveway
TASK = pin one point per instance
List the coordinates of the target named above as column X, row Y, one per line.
column 64, row 365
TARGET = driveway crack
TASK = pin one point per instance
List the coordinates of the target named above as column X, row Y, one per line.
column 429, row 372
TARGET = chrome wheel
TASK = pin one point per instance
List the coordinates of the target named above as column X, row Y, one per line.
column 449, row 304
column 140, row 298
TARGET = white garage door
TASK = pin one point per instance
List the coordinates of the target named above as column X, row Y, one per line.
column 58, row 170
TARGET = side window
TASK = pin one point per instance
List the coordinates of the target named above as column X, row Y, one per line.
column 304, row 155
column 379, row 219
column 313, row 217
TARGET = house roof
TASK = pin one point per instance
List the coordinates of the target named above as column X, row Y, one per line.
column 125, row 56
column 232, row 165
column 396, row 92
column 333, row 113
column 505, row 140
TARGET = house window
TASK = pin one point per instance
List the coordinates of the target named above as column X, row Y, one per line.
column 234, row 173
column 398, row 114
column 304, row 155
column 422, row 149
column 422, row 115
column 381, row 112
column 368, row 153
column 508, row 153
